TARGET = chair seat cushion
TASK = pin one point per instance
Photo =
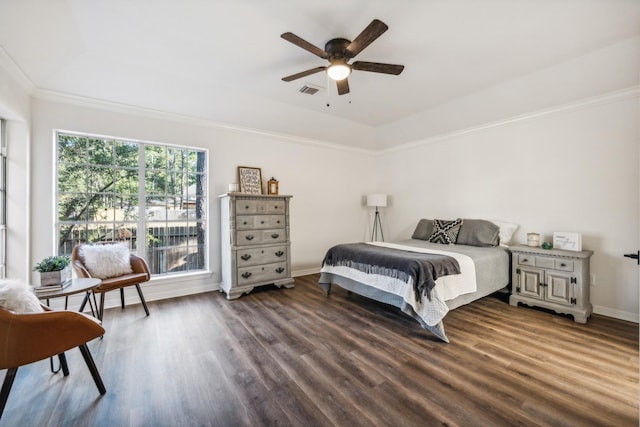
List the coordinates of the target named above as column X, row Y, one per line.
column 121, row 281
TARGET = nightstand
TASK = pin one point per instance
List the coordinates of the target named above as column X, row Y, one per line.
column 552, row 278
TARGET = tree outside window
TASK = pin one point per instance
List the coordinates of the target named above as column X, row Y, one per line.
column 151, row 196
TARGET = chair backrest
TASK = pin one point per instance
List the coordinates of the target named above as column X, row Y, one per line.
column 29, row 337
column 139, row 265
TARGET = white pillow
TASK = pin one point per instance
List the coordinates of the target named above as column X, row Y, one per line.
column 104, row 261
column 506, row 231
column 18, row 297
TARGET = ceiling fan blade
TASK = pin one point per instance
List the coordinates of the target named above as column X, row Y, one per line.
column 290, row 37
column 377, row 67
column 303, row 73
column 343, row 86
column 364, row 39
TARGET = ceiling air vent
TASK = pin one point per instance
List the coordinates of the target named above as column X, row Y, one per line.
column 310, row 89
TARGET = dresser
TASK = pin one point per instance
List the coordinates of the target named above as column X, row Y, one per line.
column 552, row 278
column 255, row 242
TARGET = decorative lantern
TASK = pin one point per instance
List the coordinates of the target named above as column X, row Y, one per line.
column 272, row 186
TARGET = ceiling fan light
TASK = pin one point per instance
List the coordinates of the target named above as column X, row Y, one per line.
column 339, row 71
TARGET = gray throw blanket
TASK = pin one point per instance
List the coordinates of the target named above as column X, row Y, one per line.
column 423, row 268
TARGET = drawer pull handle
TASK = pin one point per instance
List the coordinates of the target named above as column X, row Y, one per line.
column 246, row 274
column 279, row 254
column 525, row 260
column 261, row 222
column 563, row 265
column 245, row 223
column 279, row 270
column 249, row 237
column 246, row 257
column 275, row 235
column 246, row 207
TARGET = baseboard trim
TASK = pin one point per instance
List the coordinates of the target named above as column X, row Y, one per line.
column 616, row 314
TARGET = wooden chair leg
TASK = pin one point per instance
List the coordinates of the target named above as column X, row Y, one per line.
column 144, row 303
column 122, row 298
column 6, row 387
column 86, row 354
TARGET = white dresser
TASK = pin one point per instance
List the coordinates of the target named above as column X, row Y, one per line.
column 255, row 242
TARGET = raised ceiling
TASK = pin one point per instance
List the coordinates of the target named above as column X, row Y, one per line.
column 223, row 60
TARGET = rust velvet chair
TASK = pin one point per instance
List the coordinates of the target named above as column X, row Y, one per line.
column 28, row 337
column 139, row 273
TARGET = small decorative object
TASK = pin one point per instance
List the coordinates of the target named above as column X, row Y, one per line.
column 547, row 245
column 250, row 180
column 53, row 270
column 272, row 186
column 234, row 188
column 533, row 239
column 567, row 240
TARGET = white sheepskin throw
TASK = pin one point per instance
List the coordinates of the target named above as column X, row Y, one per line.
column 18, row 297
column 105, row 261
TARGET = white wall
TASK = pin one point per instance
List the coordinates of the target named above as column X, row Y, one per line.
column 573, row 169
column 326, row 181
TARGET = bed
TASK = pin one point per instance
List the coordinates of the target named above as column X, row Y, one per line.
column 393, row 273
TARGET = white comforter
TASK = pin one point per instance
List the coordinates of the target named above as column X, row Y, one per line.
column 447, row 287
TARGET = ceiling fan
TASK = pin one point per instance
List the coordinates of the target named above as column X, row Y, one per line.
column 339, row 51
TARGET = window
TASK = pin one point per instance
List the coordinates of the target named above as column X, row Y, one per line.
column 151, row 196
column 3, row 201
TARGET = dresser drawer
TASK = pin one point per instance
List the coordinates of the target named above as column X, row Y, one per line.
column 525, row 259
column 252, row 222
column 246, row 207
column 261, row 273
column 258, row 237
column 563, row 264
column 257, row 256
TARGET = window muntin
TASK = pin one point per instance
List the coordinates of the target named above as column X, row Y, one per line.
column 104, row 184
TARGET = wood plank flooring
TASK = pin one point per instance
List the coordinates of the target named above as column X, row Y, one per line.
column 293, row 357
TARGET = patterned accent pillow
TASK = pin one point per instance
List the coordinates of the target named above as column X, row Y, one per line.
column 445, row 232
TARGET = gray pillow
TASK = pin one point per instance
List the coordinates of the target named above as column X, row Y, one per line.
column 478, row 232
column 423, row 230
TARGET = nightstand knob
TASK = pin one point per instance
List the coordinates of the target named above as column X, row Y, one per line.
column 246, row 274
column 525, row 260
column 261, row 222
column 563, row 264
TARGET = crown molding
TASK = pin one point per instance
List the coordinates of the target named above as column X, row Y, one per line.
column 16, row 72
column 49, row 95
column 632, row 92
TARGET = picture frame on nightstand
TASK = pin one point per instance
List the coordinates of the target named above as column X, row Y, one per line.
column 567, row 240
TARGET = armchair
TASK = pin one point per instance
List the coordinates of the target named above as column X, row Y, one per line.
column 140, row 274
column 29, row 337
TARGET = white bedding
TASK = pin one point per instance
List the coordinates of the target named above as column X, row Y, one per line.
column 447, row 287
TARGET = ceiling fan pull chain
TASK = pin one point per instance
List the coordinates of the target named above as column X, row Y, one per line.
column 328, row 86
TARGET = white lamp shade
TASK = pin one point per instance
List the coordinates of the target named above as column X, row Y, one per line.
column 378, row 200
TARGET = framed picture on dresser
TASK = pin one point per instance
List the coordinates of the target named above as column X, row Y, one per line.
column 250, row 180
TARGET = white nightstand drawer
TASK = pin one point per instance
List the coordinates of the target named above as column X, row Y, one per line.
column 544, row 262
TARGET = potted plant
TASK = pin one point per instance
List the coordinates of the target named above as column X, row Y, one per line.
column 53, row 270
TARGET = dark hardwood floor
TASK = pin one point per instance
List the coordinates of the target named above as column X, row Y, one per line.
column 292, row 357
